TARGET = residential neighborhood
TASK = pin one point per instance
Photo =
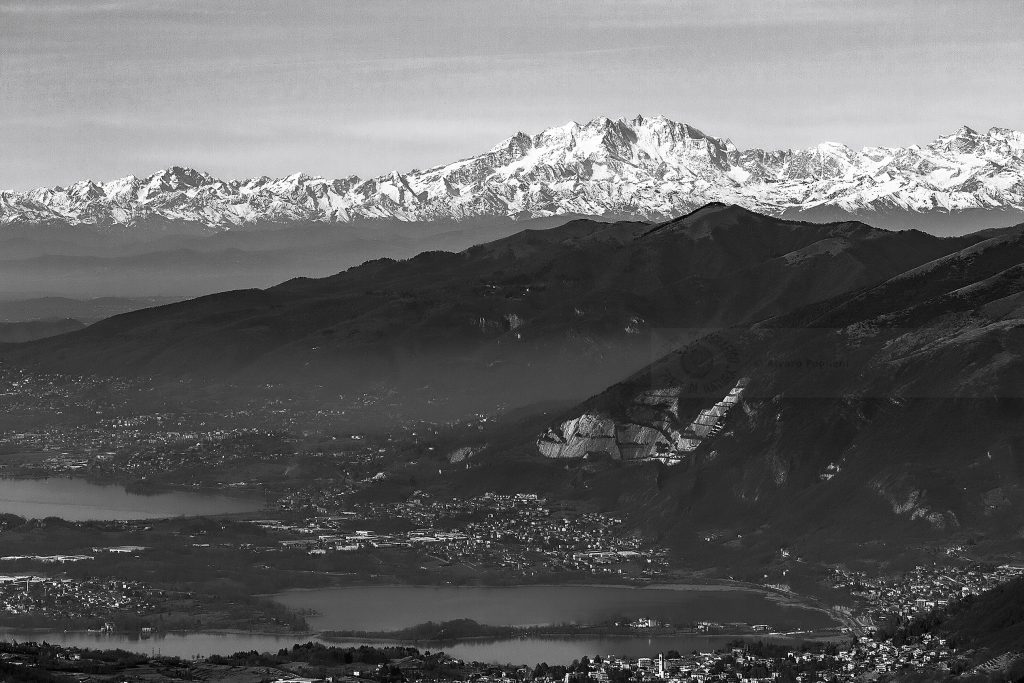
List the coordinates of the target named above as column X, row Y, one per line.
column 522, row 533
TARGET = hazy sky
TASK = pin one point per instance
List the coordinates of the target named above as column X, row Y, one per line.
column 101, row 88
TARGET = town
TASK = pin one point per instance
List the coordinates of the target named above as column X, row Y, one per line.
column 863, row 658
column 521, row 533
column 69, row 599
column 922, row 589
column 316, row 519
column 127, row 432
column 861, row 650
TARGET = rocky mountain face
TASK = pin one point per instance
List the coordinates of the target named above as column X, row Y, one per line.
column 890, row 411
column 654, row 430
column 558, row 313
column 647, row 168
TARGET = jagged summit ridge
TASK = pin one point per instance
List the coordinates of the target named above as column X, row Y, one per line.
column 649, row 167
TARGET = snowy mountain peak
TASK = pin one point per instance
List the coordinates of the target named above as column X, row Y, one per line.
column 644, row 166
column 180, row 176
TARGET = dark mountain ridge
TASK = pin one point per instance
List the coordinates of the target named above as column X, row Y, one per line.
column 891, row 412
column 539, row 315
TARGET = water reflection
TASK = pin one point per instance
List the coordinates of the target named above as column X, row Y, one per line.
column 79, row 500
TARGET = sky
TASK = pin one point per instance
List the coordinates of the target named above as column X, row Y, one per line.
column 101, row 88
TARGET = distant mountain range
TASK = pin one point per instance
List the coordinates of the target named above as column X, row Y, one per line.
column 644, row 168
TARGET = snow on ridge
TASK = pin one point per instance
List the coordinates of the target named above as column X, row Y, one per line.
column 651, row 167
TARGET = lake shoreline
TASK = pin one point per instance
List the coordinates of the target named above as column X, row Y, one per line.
column 555, row 648
column 409, row 612
column 354, row 618
column 725, row 585
column 78, row 499
column 568, row 634
column 158, row 634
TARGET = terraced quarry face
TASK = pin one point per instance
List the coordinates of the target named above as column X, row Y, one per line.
column 654, row 431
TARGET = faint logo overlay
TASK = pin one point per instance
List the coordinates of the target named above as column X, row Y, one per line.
column 699, row 362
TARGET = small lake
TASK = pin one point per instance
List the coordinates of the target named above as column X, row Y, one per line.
column 79, row 500
column 388, row 608
column 519, row 651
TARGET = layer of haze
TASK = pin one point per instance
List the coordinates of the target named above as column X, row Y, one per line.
column 100, row 89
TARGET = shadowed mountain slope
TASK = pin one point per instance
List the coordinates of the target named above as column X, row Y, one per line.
column 543, row 314
column 895, row 411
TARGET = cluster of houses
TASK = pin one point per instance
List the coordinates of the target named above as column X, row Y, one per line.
column 518, row 532
column 862, row 659
column 922, row 589
column 65, row 598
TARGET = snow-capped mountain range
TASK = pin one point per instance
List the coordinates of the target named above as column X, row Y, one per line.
column 644, row 167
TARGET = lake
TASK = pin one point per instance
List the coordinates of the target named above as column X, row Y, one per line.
column 518, row 651
column 79, row 500
column 394, row 607
column 388, row 608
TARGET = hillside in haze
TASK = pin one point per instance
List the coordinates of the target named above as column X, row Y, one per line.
column 37, row 329
column 740, row 383
column 83, row 262
column 540, row 315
